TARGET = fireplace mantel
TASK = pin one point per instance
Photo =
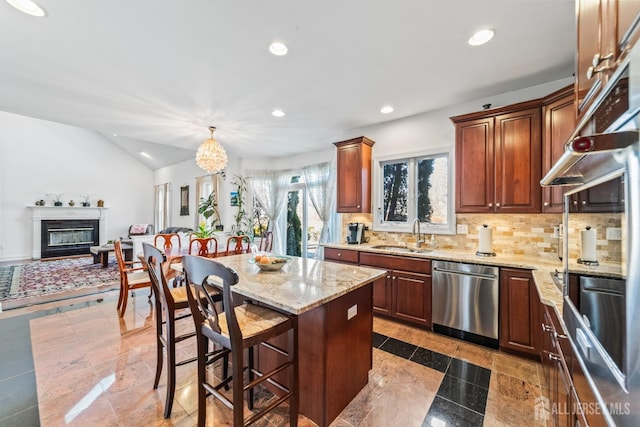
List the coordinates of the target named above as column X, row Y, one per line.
column 39, row 213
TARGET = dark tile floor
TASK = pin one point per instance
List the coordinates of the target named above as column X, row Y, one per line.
column 418, row 378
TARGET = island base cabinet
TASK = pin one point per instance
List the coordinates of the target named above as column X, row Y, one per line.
column 334, row 354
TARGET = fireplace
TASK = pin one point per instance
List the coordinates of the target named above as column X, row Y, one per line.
column 63, row 231
column 68, row 237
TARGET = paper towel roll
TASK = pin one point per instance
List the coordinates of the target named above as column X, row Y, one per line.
column 486, row 235
column 588, row 244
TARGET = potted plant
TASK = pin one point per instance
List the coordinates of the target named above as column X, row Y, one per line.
column 86, row 197
column 243, row 221
column 208, row 208
column 203, row 231
column 56, row 198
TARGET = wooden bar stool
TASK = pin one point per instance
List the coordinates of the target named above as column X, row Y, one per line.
column 240, row 327
column 168, row 303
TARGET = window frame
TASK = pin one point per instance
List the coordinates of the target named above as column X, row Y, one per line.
column 378, row 189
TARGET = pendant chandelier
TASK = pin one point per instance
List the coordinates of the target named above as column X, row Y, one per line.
column 211, row 156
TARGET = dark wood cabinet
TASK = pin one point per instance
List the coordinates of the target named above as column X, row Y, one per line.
column 345, row 256
column 354, row 175
column 606, row 33
column 498, row 160
column 519, row 313
column 405, row 294
column 606, row 197
column 558, row 112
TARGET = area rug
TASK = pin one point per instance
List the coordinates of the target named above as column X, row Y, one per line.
column 44, row 281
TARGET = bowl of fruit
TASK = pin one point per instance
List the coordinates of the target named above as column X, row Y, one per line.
column 269, row 262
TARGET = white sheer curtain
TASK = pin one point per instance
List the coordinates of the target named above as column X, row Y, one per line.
column 162, row 206
column 270, row 188
column 319, row 180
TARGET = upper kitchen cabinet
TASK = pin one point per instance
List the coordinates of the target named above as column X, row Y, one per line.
column 498, row 160
column 354, row 175
column 607, row 29
column 559, row 122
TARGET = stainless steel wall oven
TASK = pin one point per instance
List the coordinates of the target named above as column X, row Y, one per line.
column 602, row 219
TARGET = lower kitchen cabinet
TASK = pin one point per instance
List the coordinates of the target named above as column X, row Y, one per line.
column 519, row 313
column 344, row 256
column 405, row 293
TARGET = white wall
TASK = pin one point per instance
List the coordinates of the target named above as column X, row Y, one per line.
column 39, row 157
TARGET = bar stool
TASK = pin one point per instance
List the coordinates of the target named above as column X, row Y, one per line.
column 168, row 303
column 241, row 326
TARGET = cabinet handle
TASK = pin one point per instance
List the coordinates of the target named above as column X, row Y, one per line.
column 584, row 202
column 547, row 328
column 490, row 205
column 559, row 336
column 358, row 206
column 597, row 59
column 545, row 204
column 575, row 203
column 497, row 205
column 554, row 357
column 339, row 253
column 388, row 277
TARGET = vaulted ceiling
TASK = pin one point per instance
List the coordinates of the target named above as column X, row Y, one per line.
column 157, row 73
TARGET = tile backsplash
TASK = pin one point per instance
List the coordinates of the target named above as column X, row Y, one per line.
column 530, row 235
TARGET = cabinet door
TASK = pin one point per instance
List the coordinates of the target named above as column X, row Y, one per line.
column 588, row 26
column 626, row 15
column 474, row 166
column 354, row 175
column 412, row 299
column 606, row 197
column 559, row 123
column 519, row 306
column 382, row 296
column 518, row 146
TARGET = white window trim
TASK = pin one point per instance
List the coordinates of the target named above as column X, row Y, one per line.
column 377, row 191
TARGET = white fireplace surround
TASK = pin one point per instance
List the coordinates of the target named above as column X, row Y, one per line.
column 39, row 213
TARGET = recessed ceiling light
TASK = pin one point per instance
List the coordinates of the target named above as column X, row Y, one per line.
column 143, row 154
column 278, row 113
column 278, row 48
column 386, row 109
column 29, row 7
column 481, row 37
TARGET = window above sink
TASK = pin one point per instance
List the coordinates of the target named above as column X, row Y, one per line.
column 415, row 185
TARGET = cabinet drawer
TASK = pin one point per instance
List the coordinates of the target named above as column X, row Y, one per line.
column 392, row 262
column 341, row 255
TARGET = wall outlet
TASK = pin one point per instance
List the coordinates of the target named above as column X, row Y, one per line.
column 351, row 313
column 462, row 229
column 614, row 233
column 556, row 231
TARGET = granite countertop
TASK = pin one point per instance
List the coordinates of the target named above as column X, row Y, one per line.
column 301, row 285
column 542, row 270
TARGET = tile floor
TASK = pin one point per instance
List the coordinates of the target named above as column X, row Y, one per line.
column 92, row 368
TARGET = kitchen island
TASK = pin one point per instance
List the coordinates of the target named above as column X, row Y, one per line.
column 333, row 303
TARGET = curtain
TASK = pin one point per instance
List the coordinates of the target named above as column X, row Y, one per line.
column 319, row 180
column 270, row 188
column 161, row 206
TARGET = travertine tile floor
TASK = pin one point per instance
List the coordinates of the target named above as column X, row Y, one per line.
column 93, row 368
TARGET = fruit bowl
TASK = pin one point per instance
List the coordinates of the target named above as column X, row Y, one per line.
column 269, row 262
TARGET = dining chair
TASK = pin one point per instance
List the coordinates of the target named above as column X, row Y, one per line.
column 171, row 305
column 238, row 245
column 167, row 240
column 266, row 242
column 241, row 326
column 130, row 278
column 206, row 247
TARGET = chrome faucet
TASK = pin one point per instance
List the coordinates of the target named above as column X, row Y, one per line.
column 418, row 240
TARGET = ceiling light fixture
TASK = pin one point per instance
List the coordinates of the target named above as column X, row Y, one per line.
column 386, row 109
column 211, row 156
column 278, row 113
column 278, row 48
column 481, row 37
column 29, row 7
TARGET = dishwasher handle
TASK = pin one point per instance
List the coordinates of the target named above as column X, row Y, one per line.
column 464, row 273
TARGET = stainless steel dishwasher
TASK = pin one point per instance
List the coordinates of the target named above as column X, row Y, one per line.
column 465, row 301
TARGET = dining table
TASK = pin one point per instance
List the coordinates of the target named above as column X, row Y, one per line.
column 334, row 306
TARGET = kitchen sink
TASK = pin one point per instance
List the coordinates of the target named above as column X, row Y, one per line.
column 400, row 248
